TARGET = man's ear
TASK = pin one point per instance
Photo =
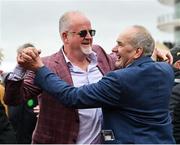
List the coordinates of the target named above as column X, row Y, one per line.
column 177, row 64
column 138, row 53
column 64, row 37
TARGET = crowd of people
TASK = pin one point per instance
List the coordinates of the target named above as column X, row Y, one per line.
column 86, row 96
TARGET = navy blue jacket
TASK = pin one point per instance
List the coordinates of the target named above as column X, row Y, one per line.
column 134, row 100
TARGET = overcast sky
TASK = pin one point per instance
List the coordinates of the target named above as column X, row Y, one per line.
column 36, row 21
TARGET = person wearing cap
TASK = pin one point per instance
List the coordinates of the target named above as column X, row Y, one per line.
column 175, row 97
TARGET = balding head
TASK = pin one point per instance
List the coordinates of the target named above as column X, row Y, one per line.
column 69, row 19
column 139, row 37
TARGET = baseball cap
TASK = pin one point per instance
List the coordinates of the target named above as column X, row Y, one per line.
column 175, row 51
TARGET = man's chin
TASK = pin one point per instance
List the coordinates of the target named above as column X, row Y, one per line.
column 118, row 65
column 86, row 51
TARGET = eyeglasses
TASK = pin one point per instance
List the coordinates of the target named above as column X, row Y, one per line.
column 83, row 33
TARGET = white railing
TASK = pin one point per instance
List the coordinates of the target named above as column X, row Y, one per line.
column 166, row 18
column 167, row 2
column 168, row 22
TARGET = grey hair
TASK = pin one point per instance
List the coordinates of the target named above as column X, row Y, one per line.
column 65, row 21
column 24, row 46
column 142, row 39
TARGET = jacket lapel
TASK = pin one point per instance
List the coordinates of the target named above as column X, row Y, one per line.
column 61, row 68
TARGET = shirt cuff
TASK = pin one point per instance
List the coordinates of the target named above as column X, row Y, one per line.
column 18, row 74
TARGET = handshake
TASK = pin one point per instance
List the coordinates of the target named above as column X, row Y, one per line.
column 28, row 57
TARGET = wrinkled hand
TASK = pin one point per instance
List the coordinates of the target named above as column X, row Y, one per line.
column 162, row 55
column 29, row 58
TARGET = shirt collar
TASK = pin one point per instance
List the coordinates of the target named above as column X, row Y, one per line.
column 65, row 57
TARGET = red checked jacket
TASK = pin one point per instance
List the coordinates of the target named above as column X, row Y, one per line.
column 56, row 123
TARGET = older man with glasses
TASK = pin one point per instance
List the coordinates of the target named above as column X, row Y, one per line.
column 78, row 63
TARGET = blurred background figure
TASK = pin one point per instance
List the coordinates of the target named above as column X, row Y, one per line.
column 21, row 115
column 161, row 48
column 23, row 120
column 175, row 98
column 2, row 91
column 7, row 134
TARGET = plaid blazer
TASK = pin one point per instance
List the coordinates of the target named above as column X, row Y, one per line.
column 56, row 123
